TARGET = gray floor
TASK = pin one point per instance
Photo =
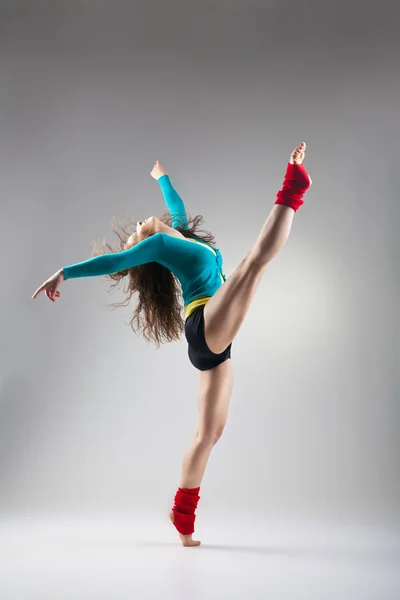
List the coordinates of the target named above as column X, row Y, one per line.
column 119, row 557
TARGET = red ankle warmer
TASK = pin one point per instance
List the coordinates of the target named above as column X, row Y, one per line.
column 185, row 504
column 296, row 183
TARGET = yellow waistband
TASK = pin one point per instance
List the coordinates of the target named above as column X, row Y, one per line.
column 195, row 304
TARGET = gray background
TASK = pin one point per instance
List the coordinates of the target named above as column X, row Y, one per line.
column 91, row 94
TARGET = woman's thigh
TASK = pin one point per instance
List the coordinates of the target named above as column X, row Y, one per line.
column 224, row 313
column 216, row 387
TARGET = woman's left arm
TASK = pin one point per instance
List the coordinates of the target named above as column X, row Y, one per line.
column 149, row 250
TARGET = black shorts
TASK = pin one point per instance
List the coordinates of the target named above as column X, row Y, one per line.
column 200, row 355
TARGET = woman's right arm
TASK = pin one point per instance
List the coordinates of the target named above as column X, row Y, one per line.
column 172, row 199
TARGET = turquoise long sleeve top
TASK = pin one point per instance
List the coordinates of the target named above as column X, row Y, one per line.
column 196, row 264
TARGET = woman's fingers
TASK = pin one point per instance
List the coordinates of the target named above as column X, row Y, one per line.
column 50, row 293
column 50, row 288
column 42, row 287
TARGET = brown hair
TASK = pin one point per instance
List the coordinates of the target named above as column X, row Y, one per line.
column 159, row 311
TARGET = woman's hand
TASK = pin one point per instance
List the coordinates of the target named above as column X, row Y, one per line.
column 158, row 170
column 51, row 286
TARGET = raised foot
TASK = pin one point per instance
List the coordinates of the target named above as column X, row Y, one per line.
column 297, row 156
column 186, row 539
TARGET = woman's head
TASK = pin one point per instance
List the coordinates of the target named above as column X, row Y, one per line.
column 144, row 229
column 159, row 310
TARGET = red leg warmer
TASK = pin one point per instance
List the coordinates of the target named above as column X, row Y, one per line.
column 185, row 504
column 296, row 183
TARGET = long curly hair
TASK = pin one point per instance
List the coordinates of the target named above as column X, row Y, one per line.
column 159, row 312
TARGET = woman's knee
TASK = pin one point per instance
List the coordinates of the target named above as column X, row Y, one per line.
column 209, row 436
column 257, row 260
column 219, row 433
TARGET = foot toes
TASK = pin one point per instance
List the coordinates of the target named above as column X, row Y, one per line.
column 190, row 543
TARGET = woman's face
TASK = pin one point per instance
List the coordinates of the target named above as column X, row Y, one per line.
column 144, row 229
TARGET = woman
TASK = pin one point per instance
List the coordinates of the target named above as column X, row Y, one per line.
column 162, row 253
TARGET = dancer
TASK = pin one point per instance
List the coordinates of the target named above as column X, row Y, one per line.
column 158, row 255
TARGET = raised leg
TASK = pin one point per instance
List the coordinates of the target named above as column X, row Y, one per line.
column 225, row 312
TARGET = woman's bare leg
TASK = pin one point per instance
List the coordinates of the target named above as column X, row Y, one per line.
column 215, row 393
column 224, row 313
column 216, row 387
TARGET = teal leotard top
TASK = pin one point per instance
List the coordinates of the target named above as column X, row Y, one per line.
column 196, row 264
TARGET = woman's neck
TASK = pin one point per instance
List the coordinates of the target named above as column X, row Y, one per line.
column 169, row 230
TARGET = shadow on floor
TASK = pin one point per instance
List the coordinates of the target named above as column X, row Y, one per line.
column 327, row 554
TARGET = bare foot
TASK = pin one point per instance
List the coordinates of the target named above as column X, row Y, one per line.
column 297, row 156
column 186, row 539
